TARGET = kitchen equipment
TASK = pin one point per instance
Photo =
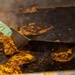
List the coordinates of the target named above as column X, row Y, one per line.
column 64, row 30
column 63, row 21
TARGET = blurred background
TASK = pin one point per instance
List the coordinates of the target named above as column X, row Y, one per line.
column 9, row 8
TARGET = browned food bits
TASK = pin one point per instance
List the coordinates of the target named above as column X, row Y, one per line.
column 17, row 57
column 8, row 69
column 21, row 58
column 32, row 9
column 9, row 46
column 62, row 56
column 32, row 29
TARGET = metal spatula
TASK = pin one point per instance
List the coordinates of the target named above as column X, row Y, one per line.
column 19, row 39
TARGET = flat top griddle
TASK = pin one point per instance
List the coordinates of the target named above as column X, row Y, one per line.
column 62, row 19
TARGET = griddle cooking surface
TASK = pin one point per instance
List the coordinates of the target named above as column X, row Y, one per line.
column 62, row 19
column 44, row 62
column 42, row 51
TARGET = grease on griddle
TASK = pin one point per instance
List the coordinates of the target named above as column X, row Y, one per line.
column 33, row 29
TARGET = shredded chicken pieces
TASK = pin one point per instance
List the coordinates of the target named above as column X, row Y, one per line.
column 32, row 29
column 9, row 46
column 62, row 55
column 8, row 69
column 17, row 57
column 21, row 58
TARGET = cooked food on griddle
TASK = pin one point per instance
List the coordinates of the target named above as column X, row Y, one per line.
column 17, row 58
column 32, row 9
column 21, row 58
column 32, row 29
column 8, row 69
column 3, row 38
column 62, row 56
column 9, row 46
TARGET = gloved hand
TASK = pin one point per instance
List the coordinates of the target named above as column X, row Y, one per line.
column 5, row 29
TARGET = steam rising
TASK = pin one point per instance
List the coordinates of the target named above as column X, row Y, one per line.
column 9, row 8
column 6, row 12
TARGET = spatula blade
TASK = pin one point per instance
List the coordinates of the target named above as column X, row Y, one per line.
column 19, row 39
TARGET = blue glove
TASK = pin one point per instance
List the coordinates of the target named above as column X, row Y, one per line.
column 5, row 29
